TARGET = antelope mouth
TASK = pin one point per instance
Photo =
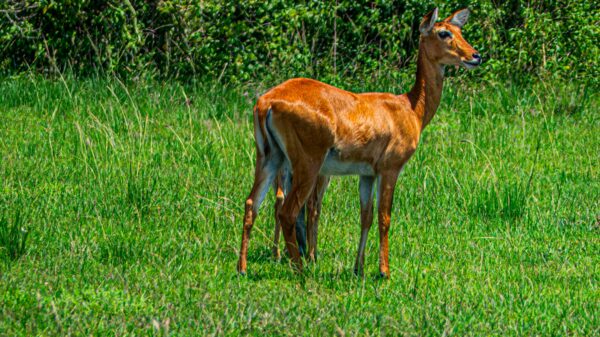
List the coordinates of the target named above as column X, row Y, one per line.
column 471, row 64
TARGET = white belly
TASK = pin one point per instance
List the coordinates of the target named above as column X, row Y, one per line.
column 334, row 166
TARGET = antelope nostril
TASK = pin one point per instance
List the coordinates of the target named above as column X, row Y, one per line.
column 477, row 56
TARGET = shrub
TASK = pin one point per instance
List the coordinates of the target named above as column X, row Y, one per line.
column 261, row 40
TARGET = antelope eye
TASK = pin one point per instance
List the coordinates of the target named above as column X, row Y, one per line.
column 444, row 34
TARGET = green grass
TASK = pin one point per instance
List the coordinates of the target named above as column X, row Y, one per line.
column 121, row 206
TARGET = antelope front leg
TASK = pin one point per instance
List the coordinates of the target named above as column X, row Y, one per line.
column 385, row 196
column 366, row 220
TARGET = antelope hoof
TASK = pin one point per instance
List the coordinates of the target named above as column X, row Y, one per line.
column 297, row 267
column 241, row 270
column 384, row 275
column 276, row 254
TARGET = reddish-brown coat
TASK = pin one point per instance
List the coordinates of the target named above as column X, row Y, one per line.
column 310, row 118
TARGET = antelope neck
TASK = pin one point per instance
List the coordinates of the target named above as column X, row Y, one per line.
column 425, row 95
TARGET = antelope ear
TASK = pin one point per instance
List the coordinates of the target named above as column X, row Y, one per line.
column 458, row 18
column 428, row 22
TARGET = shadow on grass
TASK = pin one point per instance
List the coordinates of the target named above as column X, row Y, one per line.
column 13, row 237
column 263, row 267
column 507, row 202
column 262, row 255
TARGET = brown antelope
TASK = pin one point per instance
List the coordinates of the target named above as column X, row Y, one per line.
column 313, row 129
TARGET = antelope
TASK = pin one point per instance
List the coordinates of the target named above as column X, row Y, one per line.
column 316, row 130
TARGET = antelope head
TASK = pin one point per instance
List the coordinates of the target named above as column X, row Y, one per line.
column 442, row 42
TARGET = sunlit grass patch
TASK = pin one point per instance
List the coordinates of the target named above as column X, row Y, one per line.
column 121, row 206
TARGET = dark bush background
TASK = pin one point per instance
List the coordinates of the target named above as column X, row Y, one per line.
column 253, row 41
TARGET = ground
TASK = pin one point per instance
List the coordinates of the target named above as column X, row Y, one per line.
column 121, row 213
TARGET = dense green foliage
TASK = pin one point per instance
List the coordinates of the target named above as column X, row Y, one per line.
column 121, row 207
column 256, row 40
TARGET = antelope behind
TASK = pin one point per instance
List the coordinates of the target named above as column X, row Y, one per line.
column 313, row 129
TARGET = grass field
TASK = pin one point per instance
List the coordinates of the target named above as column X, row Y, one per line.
column 121, row 206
